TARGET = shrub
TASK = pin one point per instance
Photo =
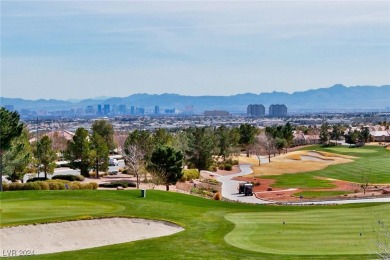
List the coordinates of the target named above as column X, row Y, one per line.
column 53, row 185
column 211, row 181
column 269, row 189
column 94, row 185
column 5, row 186
column 75, row 186
column 85, row 186
column 189, row 175
column 228, row 167
column 217, row 196
column 213, row 168
column 235, row 162
column 50, row 185
column 115, row 184
column 37, row 179
column 31, row 186
column 15, row 186
column 221, row 167
column 125, row 171
column 44, row 185
column 68, row 177
column 101, row 174
column 257, row 183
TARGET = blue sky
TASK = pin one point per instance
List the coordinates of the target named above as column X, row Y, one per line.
column 81, row 49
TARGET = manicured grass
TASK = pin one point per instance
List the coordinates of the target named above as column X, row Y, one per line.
column 320, row 194
column 372, row 161
column 313, row 232
column 204, row 222
column 19, row 212
column 299, row 180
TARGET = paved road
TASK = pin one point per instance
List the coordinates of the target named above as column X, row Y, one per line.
column 230, row 191
column 230, row 187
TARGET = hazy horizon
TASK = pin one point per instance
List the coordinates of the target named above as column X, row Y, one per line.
column 78, row 50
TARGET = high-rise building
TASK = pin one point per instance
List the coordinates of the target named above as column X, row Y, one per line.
column 156, row 110
column 277, row 110
column 139, row 110
column 122, row 109
column 100, row 111
column 255, row 110
column 106, row 109
column 89, row 110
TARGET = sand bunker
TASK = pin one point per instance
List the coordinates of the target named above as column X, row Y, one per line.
column 300, row 161
column 74, row 235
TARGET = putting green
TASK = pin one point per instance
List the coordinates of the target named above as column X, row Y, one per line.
column 17, row 211
column 309, row 232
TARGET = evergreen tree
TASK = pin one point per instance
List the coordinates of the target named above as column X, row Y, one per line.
column 10, row 128
column 18, row 158
column 45, row 155
column 99, row 154
column 324, row 133
column 79, row 150
column 201, row 147
column 247, row 136
column 166, row 164
column 105, row 129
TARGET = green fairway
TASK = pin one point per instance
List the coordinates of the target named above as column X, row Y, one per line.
column 313, row 232
column 203, row 220
column 19, row 212
column 372, row 162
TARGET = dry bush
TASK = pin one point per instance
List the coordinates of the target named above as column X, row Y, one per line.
column 217, row 196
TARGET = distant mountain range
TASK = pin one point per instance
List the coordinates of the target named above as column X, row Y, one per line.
column 335, row 98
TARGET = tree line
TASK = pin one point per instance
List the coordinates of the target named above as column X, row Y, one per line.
column 161, row 153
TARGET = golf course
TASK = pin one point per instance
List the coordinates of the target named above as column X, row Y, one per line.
column 212, row 229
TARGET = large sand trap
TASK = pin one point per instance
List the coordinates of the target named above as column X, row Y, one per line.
column 74, row 235
column 300, row 161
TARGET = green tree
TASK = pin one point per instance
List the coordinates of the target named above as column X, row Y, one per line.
column 180, row 142
column 166, row 164
column 227, row 140
column 201, row 147
column 352, row 137
column 143, row 140
column 45, row 155
column 364, row 135
column 288, row 135
column 324, row 134
column 161, row 137
column 99, row 154
column 10, row 128
column 337, row 132
column 105, row 129
column 280, row 144
column 78, row 152
column 247, row 136
column 18, row 158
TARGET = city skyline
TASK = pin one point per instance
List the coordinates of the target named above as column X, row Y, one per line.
column 77, row 50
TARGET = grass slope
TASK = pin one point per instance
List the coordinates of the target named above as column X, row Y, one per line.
column 204, row 222
column 372, row 160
